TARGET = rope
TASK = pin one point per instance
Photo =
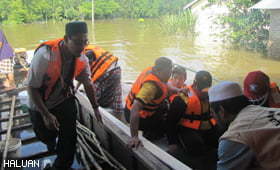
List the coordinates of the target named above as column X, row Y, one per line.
column 86, row 154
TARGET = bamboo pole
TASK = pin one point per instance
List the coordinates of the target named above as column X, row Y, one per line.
column 4, row 156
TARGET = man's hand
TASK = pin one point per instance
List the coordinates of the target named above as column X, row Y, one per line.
column 98, row 115
column 50, row 121
column 135, row 142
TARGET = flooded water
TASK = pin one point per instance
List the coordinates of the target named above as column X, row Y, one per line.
column 139, row 44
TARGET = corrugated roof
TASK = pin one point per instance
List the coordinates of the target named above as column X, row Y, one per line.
column 267, row 4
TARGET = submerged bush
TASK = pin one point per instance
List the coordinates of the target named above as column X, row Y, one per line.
column 244, row 27
column 182, row 23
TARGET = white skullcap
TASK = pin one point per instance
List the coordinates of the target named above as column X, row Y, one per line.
column 224, row 90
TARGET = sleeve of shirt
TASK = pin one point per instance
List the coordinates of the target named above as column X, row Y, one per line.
column 234, row 155
column 85, row 75
column 38, row 67
column 147, row 93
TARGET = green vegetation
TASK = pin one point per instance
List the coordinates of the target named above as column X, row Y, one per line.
column 27, row 11
column 182, row 23
column 244, row 27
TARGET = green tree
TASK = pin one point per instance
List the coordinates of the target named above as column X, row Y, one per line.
column 25, row 11
column 244, row 27
column 106, row 8
column 18, row 14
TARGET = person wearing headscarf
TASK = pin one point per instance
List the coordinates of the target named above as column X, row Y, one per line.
column 260, row 90
column 6, row 61
column 53, row 107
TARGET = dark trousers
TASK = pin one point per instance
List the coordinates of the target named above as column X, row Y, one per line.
column 153, row 127
column 198, row 142
column 66, row 146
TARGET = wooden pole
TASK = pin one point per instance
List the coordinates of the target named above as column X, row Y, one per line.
column 4, row 156
column 92, row 20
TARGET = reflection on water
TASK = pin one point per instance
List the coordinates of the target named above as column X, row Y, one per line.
column 139, row 44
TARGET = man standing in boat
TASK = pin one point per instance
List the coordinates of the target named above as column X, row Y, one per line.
column 106, row 76
column 50, row 87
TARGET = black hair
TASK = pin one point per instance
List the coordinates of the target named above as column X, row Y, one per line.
column 73, row 28
column 177, row 69
column 162, row 63
column 233, row 105
column 203, row 79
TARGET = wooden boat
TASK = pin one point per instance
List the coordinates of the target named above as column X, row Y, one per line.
column 113, row 135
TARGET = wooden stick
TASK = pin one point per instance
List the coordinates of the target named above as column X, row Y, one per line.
column 4, row 156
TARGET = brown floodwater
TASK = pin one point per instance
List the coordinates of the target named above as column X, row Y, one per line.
column 138, row 44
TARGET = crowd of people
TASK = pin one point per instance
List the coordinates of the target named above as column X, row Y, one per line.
column 239, row 128
column 233, row 128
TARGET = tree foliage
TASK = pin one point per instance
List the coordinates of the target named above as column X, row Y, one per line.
column 26, row 11
column 245, row 27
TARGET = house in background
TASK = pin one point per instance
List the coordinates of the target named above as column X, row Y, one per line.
column 273, row 6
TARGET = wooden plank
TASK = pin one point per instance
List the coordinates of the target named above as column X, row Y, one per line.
column 8, row 102
column 15, row 117
column 12, row 90
column 7, row 109
column 8, row 135
column 37, row 156
column 17, row 128
column 145, row 153
column 29, row 140
column 169, row 160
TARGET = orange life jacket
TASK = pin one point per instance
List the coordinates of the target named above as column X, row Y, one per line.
column 103, row 61
column 193, row 115
column 150, row 108
column 274, row 98
column 54, row 66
